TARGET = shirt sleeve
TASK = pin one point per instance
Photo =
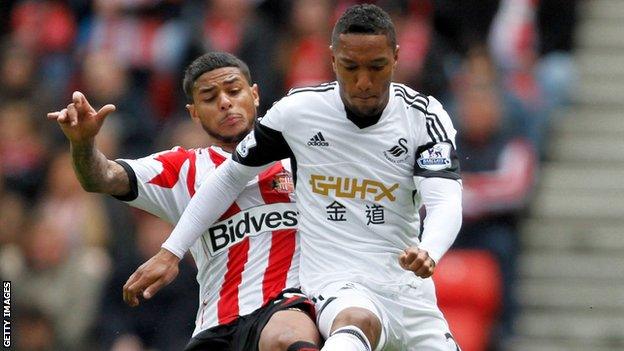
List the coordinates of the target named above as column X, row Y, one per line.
column 212, row 199
column 436, row 155
column 442, row 200
column 266, row 143
column 154, row 181
column 262, row 146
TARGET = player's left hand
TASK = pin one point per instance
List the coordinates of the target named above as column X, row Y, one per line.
column 418, row 261
column 150, row 277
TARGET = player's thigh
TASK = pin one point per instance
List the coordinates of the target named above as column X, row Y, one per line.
column 421, row 325
column 286, row 327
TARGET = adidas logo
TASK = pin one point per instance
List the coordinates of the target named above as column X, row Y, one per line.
column 318, row 140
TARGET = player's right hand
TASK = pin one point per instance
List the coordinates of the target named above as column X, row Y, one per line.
column 418, row 261
column 79, row 121
column 150, row 277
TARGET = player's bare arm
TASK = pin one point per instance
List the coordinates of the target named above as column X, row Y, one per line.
column 80, row 123
column 150, row 277
column 418, row 261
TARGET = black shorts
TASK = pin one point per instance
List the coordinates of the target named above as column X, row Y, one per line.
column 243, row 334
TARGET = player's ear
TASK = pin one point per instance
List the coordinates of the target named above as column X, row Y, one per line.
column 333, row 57
column 255, row 92
column 396, row 55
column 192, row 112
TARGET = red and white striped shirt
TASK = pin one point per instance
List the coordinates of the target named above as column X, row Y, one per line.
column 251, row 254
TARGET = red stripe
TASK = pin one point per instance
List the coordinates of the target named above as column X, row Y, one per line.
column 227, row 307
column 283, row 242
column 190, row 179
column 216, row 157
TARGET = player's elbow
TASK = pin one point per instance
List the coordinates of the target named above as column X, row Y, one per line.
column 90, row 186
column 99, row 186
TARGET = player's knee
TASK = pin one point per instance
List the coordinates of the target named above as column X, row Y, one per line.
column 362, row 318
column 288, row 328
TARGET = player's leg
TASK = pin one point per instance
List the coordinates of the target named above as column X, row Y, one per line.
column 349, row 319
column 420, row 323
column 354, row 328
column 290, row 330
column 285, row 323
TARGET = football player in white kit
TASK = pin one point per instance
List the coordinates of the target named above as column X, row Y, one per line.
column 369, row 152
column 249, row 259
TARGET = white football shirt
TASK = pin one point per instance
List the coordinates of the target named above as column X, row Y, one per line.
column 356, row 187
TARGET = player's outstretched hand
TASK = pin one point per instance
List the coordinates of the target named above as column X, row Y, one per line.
column 79, row 121
column 150, row 277
column 418, row 261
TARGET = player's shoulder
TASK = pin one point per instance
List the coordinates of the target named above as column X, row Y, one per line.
column 313, row 90
column 314, row 98
column 178, row 155
column 409, row 97
column 419, row 104
column 179, row 151
column 310, row 94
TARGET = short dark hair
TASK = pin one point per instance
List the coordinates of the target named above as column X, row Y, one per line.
column 209, row 62
column 365, row 19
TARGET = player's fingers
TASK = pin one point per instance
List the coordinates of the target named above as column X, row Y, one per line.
column 62, row 117
column 403, row 260
column 127, row 295
column 81, row 102
column 72, row 114
column 164, row 277
column 133, row 278
column 138, row 285
column 134, row 292
column 105, row 111
column 130, row 299
column 416, row 264
column 53, row 115
column 418, row 260
column 134, row 287
column 151, row 290
column 423, row 265
column 410, row 256
column 77, row 98
column 425, row 271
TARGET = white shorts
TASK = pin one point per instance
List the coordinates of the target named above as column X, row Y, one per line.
column 409, row 315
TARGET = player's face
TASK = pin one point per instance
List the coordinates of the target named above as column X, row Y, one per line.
column 364, row 65
column 224, row 104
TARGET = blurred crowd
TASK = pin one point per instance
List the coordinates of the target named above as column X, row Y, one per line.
column 502, row 68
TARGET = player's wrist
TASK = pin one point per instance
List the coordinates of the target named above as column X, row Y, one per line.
column 82, row 143
column 170, row 250
column 168, row 256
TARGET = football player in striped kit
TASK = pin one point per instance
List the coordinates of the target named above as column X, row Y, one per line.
column 248, row 262
column 369, row 153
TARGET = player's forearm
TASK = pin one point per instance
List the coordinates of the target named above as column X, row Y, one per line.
column 442, row 199
column 213, row 198
column 96, row 173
